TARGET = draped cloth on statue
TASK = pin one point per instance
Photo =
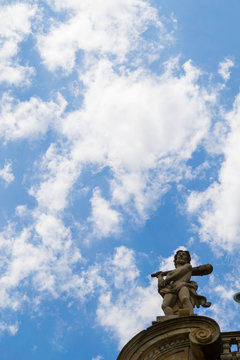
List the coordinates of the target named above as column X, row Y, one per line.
column 176, row 286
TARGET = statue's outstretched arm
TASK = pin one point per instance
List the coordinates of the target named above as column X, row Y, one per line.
column 202, row 270
column 162, row 273
column 178, row 272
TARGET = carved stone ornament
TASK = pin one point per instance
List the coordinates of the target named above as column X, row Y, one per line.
column 180, row 338
column 201, row 336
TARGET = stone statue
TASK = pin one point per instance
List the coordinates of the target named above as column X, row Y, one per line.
column 178, row 292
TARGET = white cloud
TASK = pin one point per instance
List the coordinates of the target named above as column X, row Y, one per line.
column 131, row 312
column 122, row 267
column 57, row 172
column 105, row 221
column 217, row 208
column 42, row 256
column 87, row 284
column 96, row 27
column 15, row 26
column 141, row 126
column 28, row 119
column 224, row 68
column 6, row 173
column 214, row 143
column 39, row 261
column 99, row 357
column 222, row 292
column 11, row 329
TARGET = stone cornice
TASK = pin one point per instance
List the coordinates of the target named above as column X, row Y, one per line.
column 194, row 337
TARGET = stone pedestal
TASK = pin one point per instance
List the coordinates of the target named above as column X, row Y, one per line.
column 178, row 338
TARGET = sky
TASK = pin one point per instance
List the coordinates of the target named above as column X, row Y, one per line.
column 119, row 144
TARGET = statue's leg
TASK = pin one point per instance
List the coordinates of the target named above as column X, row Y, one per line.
column 185, row 298
column 168, row 303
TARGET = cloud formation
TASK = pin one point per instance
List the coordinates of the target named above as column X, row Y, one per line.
column 28, row 119
column 224, row 68
column 6, row 173
column 217, row 208
column 15, row 26
column 97, row 28
column 105, row 220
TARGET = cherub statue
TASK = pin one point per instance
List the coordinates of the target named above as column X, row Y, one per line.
column 177, row 290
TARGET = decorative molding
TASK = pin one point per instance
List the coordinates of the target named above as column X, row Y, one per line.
column 191, row 337
column 201, row 335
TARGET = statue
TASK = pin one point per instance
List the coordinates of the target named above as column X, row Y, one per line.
column 177, row 290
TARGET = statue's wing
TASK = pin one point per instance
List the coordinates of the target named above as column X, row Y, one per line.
column 202, row 270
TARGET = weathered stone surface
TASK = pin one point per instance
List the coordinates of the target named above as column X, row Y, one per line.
column 179, row 338
column 229, row 339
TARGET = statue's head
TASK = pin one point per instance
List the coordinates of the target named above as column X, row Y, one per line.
column 182, row 257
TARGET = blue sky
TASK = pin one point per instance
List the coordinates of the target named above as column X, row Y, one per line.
column 120, row 128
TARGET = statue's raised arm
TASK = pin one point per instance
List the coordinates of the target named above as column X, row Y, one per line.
column 202, row 270
column 176, row 287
